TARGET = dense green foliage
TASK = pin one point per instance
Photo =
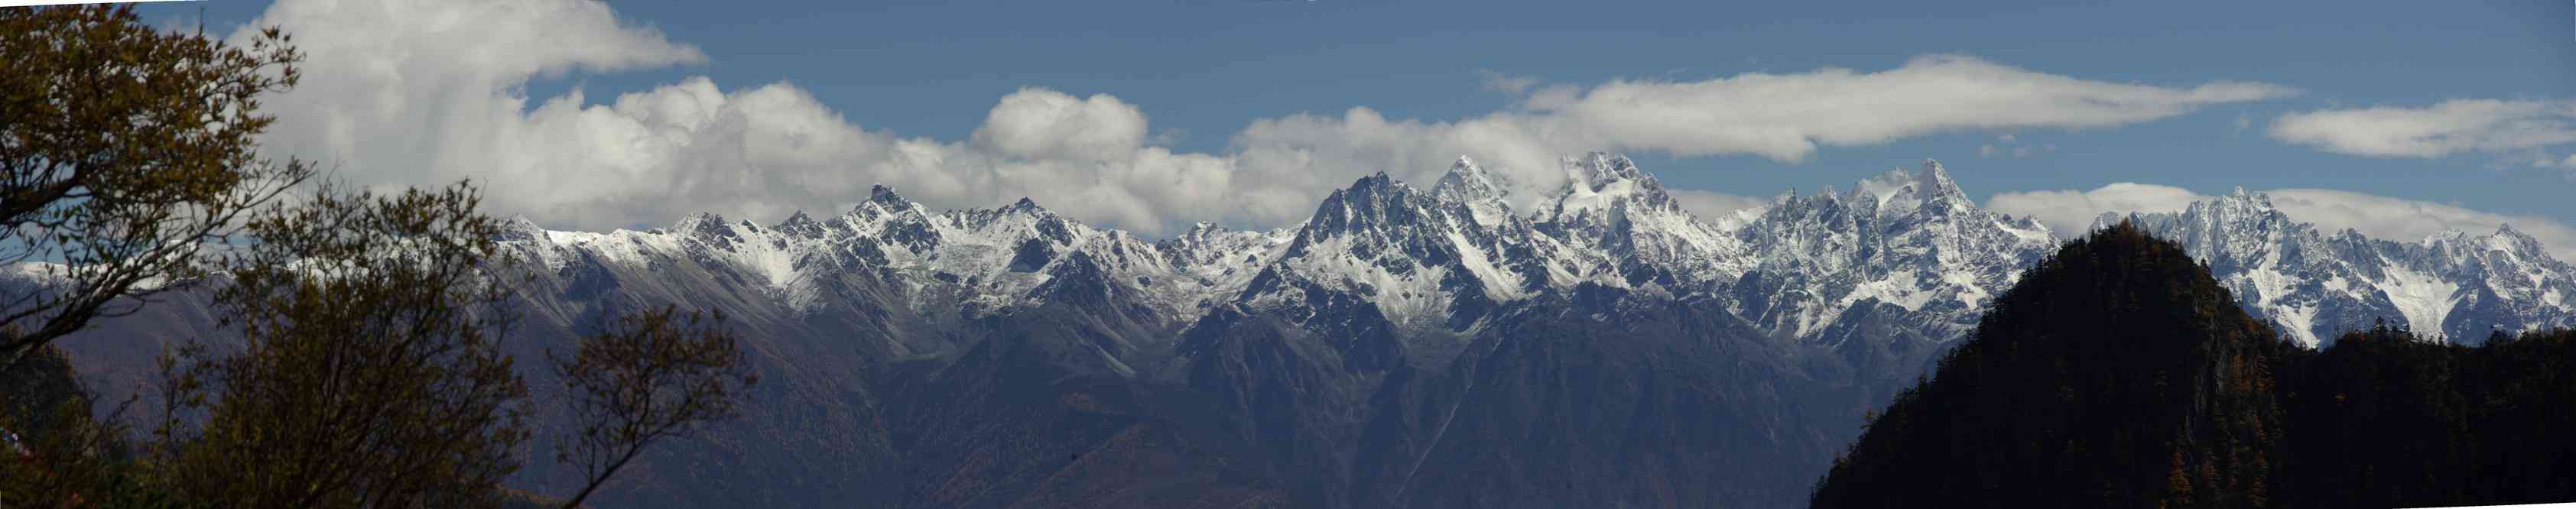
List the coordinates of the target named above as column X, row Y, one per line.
column 2117, row 373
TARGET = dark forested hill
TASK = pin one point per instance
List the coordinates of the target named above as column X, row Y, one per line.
column 2118, row 373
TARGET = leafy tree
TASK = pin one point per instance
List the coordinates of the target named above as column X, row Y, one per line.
column 652, row 375
column 370, row 375
column 125, row 151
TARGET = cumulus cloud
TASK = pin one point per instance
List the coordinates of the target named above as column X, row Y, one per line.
column 2444, row 128
column 2379, row 217
column 1043, row 124
column 422, row 93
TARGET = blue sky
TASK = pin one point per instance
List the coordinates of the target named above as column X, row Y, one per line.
column 1201, row 71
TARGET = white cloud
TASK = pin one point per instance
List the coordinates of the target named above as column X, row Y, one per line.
column 1787, row 116
column 2447, row 127
column 2545, row 161
column 1507, row 84
column 1043, row 124
column 421, row 93
column 2069, row 211
column 2403, row 219
column 424, row 93
column 1710, row 206
column 2012, row 146
column 2380, row 217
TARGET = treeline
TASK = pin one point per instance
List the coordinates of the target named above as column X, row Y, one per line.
column 2117, row 373
column 357, row 361
column 2385, row 418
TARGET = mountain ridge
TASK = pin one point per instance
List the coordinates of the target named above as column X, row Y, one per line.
column 1385, row 348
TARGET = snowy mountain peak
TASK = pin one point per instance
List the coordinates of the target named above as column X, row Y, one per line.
column 2240, row 204
column 1481, row 192
column 1601, row 182
column 1371, row 203
column 1903, row 249
column 1382, row 248
column 2508, row 239
column 703, row 224
column 1899, row 193
column 2239, row 199
column 1598, row 170
column 520, row 228
column 882, row 195
column 801, row 225
column 2452, row 284
column 1025, row 206
column 1467, row 182
column 1935, row 182
column 1901, row 241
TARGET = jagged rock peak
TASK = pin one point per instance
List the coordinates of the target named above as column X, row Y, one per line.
column 1600, row 182
column 1025, row 205
column 708, row 222
column 801, row 225
column 1465, row 181
column 707, row 226
column 1373, row 203
column 1378, row 180
column 1937, row 181
column 882, row 195
column 1365, row 196
column 1899, row 192
column 1600, row 169
column 2238, row 202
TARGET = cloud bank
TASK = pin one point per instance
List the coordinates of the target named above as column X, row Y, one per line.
column 2380, row 217
column 421, row 93
column 2444, row 128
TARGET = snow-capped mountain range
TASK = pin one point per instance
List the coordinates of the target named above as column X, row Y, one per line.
column 1449, row 346
column 1906, row 244
column 2460, row 286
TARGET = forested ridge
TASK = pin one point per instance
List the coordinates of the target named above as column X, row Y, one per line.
column 2117, row 373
